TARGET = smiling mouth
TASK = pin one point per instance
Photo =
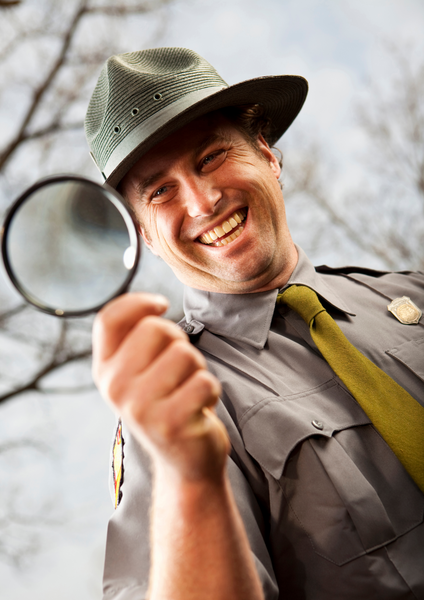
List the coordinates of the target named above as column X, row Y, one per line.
column 227, row 231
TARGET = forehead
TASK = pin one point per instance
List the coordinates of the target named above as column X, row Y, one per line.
column 190, row 139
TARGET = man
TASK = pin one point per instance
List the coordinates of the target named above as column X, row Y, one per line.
column 299, row 495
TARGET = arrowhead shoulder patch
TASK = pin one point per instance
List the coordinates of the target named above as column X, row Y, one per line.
column 118, row 463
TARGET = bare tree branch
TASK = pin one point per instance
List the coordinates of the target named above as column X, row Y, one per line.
column 382, row 213
column 9, row 3
column 127, row 9
column 12, row 312
column 305, row 178
column 54, row 127
column 46, row 98
column 49, row 368
column 43, row 87
column 70, row 389
column 24, row 443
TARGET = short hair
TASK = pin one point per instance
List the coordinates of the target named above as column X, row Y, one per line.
column 251, row 121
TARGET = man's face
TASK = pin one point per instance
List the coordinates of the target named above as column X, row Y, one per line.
column 210, row 205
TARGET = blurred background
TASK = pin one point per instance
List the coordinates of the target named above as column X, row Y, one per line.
column 353, row 184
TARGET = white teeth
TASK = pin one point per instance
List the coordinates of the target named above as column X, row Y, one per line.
column 207, row 238
column 220, row 230
column 230, row 238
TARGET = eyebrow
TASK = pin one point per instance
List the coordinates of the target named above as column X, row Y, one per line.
column 209, row 141
column 212, row 139
column 148, row 181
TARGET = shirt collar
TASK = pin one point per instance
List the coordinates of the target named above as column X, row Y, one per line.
column 225, row 314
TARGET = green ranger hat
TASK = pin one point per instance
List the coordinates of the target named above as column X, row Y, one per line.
column 142, row 97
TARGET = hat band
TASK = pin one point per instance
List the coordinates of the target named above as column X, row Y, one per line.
column 148, row 127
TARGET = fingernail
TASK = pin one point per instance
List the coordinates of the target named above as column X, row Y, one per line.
column 161, row 301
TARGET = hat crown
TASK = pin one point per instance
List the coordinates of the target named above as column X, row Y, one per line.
column 160, row 61
column 132, row 87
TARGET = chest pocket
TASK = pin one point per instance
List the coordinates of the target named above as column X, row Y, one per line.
column 335, row 485
column 411, row 355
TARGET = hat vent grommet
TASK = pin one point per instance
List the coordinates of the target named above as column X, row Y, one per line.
column 135, row 112
column 116, row 129
column 157, row 96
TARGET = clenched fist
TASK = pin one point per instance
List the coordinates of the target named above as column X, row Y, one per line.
column 146, row 367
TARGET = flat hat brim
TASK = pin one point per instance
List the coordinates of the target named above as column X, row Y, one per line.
column 281, row 96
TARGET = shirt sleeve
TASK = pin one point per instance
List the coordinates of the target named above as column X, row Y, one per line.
column 253, row 523
column 127, row 560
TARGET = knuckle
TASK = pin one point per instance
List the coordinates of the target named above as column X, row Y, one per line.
column 187, row 354
column 104, row 318
column 157, row 326
column 137, row 412
column 151, row 325
column 157, row 425
column 167, row 431
column 112, row 311
column 112, row 388
column 111, row 384
column 207, row 383
column 115, row 312
column 109, row 318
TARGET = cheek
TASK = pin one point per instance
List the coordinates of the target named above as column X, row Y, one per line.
column 147, row 225
column 163, row 226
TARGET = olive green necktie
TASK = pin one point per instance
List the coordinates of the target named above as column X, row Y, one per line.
column 394, row 413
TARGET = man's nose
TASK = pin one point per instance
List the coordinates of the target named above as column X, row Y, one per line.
column 201, row 198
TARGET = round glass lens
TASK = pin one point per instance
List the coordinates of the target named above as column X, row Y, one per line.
column 71, row 246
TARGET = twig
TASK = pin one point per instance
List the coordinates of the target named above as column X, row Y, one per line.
column 42, row 89
column 52, row 366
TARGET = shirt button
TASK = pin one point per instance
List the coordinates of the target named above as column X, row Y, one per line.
column 188, row 328
column 317, row 424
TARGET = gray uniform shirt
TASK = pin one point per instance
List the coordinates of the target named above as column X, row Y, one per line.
column 328, row 509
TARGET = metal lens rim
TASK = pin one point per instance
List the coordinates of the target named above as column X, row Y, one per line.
column 119, row 204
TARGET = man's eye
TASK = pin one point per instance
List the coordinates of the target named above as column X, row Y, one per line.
column 160, row 194
column 213, row 161
column 208, row 159
column 160, row 191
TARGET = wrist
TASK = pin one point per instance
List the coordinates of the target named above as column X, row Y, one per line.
column 188, row 486
column 199, row 541
column 197, row 460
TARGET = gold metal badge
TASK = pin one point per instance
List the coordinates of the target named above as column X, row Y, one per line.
column 405, row 310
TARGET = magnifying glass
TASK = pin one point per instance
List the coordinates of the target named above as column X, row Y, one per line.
column 69, row 245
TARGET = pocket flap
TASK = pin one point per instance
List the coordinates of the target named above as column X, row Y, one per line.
column 273, row 427
column 410, row 354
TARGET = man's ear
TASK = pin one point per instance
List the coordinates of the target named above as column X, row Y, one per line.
column 146, row 239
column 269, row 155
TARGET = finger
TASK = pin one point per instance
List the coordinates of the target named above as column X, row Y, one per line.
column 165, row 420
column 176, row 364
column 143, row 344
column 197, row 396
column 159, row 379
column 119, row 316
